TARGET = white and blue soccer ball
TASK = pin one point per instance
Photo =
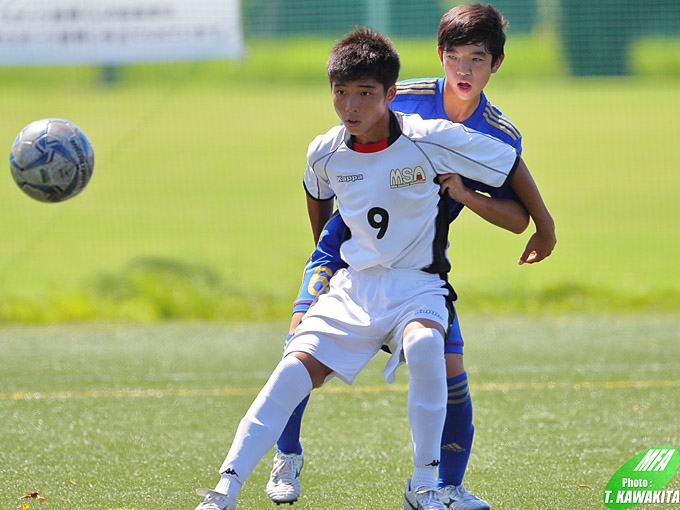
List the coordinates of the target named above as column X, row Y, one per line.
column 51, row 160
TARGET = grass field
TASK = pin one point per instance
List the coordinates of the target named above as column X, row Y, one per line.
column 196, row 209
column 116, row 416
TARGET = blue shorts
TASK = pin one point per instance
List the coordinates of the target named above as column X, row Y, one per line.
column 454, row 342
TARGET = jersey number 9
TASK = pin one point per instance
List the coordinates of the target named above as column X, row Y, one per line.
column 378, row 218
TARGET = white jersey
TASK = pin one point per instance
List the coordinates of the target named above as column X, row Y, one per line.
column 389, row 199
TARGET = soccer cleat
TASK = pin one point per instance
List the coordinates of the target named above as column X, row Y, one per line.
column 427, row 499
column 284, row 484
column 215, row 500
column 456, row 497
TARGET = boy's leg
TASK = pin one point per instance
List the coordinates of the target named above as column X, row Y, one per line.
column 284, row 481
column 458, row 432
column 261, row 426
column 424, row 353
column 458, row 429
column 289, row 441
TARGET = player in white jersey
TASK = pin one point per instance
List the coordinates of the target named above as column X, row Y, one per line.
column 382, row 168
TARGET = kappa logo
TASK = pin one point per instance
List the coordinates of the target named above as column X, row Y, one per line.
column 350, row 178
column 400, row 178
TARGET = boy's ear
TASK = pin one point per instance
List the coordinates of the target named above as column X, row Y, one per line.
column 497, row 65
column 391, row 93
column 440, row 54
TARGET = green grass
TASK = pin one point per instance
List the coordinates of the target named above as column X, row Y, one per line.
column 115, row 416
column 196, row 208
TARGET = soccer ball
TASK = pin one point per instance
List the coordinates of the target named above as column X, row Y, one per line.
column 51, row 160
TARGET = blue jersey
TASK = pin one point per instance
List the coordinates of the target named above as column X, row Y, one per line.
column 424, row 97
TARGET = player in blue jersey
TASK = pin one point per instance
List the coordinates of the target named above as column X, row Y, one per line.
column 470, row 47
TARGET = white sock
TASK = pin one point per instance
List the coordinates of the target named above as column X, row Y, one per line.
column 427, row 396
column 228, row 485
column 266, row 418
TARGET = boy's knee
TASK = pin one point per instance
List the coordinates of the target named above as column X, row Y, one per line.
column 317, row 370
column 423, row 349
column 454, row 365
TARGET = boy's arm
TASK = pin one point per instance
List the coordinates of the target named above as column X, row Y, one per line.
column 324, row 261
column 506, row 213
column 542, row 242
column 319, row 212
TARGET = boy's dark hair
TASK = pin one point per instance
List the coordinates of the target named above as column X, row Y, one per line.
column 362, row 54
column 473, row 24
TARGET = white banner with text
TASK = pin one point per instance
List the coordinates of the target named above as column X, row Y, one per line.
column 112, row 32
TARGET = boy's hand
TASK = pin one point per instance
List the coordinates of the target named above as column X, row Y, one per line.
column 540, row 246
column 453, row 185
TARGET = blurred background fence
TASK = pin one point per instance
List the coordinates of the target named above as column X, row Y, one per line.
column 596, row 35
column 196, row 209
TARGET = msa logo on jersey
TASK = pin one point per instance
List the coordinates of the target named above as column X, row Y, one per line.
column 400, row 178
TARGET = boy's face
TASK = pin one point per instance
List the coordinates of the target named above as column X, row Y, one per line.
column 467, row 69
column 363, row 107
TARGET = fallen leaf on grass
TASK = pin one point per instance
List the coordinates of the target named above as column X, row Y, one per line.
column 30, row 495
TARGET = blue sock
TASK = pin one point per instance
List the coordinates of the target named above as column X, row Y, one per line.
column 289, row 442
column 458, row 432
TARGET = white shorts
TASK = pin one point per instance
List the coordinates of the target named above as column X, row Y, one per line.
column 363, row 310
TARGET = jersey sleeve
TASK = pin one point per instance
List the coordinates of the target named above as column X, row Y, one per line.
column 315, row 180
column 322, row 264
column 454, row 148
